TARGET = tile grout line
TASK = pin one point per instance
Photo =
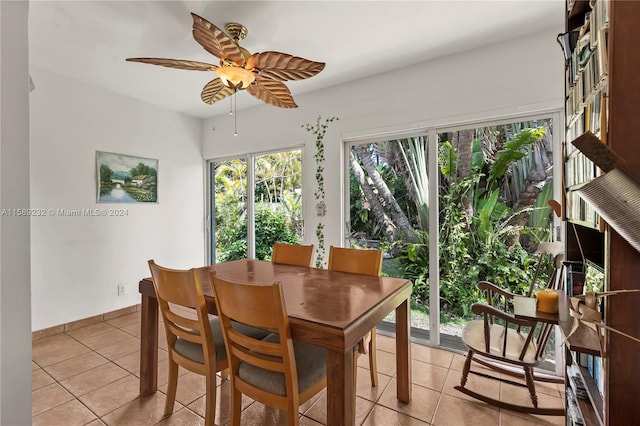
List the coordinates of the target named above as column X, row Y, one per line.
column 91, row 350
column 375, row 402
column 75, row 397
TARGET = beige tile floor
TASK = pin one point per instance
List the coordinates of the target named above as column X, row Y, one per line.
column 89, row 376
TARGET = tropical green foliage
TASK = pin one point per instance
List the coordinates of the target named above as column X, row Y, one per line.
column 417, row 167
column 539, row 218
column 492, row 237
column 479, row 252
column 274, row 226
column 278, row 204
column 514, row 150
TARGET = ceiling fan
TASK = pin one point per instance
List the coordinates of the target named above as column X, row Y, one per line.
column 260, row 74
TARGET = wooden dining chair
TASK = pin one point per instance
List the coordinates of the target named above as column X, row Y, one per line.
column 277, row 371
column 292, row 254
column 365, row 262
column 194, row 341
column 505, row 343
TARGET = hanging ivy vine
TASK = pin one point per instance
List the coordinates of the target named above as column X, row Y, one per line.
column 319, row 130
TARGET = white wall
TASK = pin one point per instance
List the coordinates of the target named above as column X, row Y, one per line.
column 15, row 312
column 78, row 262
column 521, row 76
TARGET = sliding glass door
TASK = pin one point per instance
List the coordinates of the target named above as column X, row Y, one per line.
column 255, row 200
column 454, row 206
column 389, row 209
column 277, row 200
column 228, row 209
column 495, row 182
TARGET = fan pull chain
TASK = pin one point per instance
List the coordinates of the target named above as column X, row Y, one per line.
column 235, row 110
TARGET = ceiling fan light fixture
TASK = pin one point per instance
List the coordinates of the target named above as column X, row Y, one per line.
column 235, row 77
column 239, row 69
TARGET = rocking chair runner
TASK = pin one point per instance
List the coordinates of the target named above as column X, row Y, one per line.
column 504, row 343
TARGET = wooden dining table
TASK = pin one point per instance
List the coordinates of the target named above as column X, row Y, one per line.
column 333, row 310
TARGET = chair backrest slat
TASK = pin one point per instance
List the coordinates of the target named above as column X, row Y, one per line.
column 487, row 333
column 180, row 320
column 191, row 335
column 527, row 342
column 543, row 338
column 292, row 254
column 505, row 335
column 355, row 261
column 258, row 359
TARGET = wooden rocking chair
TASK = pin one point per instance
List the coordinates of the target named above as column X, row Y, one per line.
column 506, row 344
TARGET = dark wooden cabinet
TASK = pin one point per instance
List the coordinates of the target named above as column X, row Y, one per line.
column 587, row 237
column 622, row 404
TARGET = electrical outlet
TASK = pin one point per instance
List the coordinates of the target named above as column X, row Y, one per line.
column 120, row 289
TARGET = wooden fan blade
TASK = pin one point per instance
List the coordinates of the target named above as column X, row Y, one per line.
column 181, row 64
column 216, row 42
column 215, row 91
column 282, row 67
column 272, row 92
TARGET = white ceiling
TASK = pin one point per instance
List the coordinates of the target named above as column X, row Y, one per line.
column 89, row 40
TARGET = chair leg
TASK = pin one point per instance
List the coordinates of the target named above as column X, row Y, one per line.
column 210, row 400
column 528, row 375
column 236, row 405
column 293, row 417
column 373, row 362
column 465, row 370
column 171, row 387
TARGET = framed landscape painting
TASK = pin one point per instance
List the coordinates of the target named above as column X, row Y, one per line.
column 126, row 179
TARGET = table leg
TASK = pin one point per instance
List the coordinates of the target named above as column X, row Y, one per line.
column 403, row 352
column 149, row 346
column 341, row 397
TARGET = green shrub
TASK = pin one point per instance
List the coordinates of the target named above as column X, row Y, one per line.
column 271, row 226
column 469, row 252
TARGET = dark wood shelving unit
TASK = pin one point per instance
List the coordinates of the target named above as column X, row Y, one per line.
column 623, row 266
column 616, row 401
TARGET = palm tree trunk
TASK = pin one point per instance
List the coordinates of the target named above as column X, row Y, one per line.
column 526, row 199
column 465, row 155
column 374, row 203
column 397, row 215
column 535, row 180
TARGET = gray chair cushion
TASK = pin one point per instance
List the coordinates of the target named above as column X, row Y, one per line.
column 194, row 352
column 311, row 365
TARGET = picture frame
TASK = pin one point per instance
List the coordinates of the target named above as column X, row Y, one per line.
column 123, row 178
